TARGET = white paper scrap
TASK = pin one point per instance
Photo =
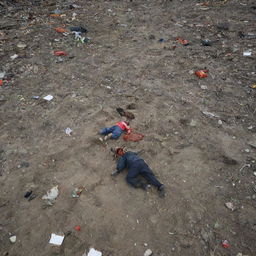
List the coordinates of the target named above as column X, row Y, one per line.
column 56, row 240
column 93, row 252
column 68, row 131
column 48, row 97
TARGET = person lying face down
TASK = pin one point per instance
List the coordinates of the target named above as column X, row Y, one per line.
column 115, row 131
column 136, row 167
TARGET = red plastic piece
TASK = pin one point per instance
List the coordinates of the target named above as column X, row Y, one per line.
column 225, row 244
column 202, row 73
column 1, row 82
column 77, row 228
column 60, row 53
column 60, row 30
column 183, row 41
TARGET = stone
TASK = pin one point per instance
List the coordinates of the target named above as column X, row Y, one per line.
column 148, row 252
column 13, row 239
column 21, row 45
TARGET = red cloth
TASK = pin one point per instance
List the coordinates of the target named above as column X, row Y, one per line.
column 123, row 126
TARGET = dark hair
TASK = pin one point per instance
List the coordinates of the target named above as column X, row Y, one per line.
column 127, row 122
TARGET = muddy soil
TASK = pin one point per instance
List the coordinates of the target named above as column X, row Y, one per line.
column 205, row 160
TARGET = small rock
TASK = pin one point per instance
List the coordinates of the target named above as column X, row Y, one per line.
column 230, row 206
column 131, row 106
column 148, row 252
column 247, row 150
column 203, row 87
column 192, row 123
column 223, row 26
column 12, row 239
column 254, row 197
column 15, row 56
column 21, row 45
column 206, row 42
column 254, row 173
column 151, row 37
column 219, row 122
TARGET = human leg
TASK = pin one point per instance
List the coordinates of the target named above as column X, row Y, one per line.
column 133, row 179
column 107, row 130
column 116, row 133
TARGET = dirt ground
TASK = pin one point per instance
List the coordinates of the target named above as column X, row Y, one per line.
column 204, row 161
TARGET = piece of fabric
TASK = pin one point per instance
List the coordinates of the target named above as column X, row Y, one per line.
column 123, row 126
column 115, row 130
column 133, row 137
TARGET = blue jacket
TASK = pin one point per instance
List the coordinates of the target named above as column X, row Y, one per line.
column 127, row 160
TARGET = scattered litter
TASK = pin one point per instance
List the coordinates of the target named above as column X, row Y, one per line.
column 77, row 228
column 133, row 137
column 253, row 86
column 2, row 74
column 56, row 239
column 60, row 30
column 247, row 150
column 247, row 53
column 252, row 143
column 60, row 53
column 24, row 165
column 203, row 87
column 225, row 244
column 220, row 122
column 68, row 131
column 35, row 97
column 223, row 26
column 216, row 225
column 13, row 239
column 15, row 56
column 94, row 252
column 254, row 173
column 182, row 41
column 148, row 252
column 55, row 15
column 206, row 42
column 161, row 40
column 48, row 97
column 74, row 6
column 1, row 82
column 77, row 192
column 21, row 45
column 209, row 114
column 78, row 29
column 51, row 194
column 28, row 194
column 230, row 206
column 248, row 36
column 202, row 73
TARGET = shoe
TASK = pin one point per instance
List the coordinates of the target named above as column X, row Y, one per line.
column 161, row 191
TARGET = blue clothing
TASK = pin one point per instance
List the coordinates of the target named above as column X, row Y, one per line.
column 136, row 166
column 115, row 130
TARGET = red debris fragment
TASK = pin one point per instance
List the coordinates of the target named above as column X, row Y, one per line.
column 60, row 53
column 183, row 41
column 225, row 244
column 60, row 30
column 77, row 228
column 1, row 82
column 202, row 73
